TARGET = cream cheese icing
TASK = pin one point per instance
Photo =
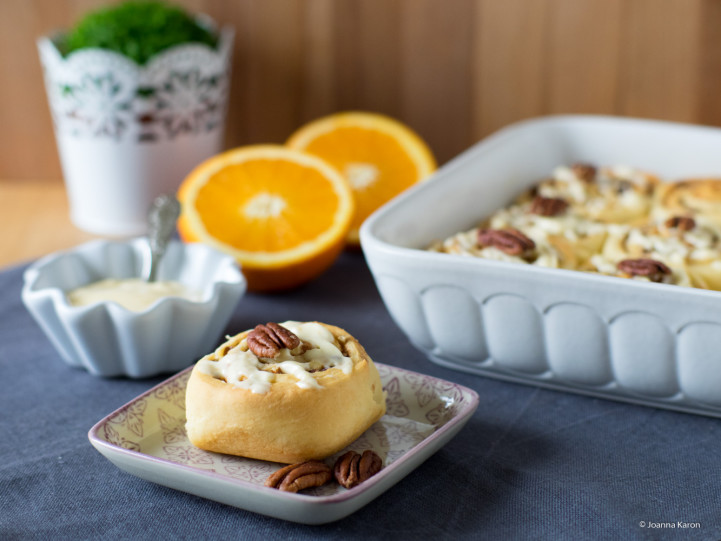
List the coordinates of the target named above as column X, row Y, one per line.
column 132, row 293
column 243, row 369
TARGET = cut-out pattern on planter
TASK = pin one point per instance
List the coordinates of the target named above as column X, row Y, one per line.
column 96, row 93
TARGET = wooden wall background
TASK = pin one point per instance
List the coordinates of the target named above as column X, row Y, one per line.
column 455, row 70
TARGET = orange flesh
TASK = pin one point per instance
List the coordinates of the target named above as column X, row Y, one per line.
column 223, row 200
column 352, row 145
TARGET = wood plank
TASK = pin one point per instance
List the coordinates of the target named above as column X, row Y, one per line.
column 26, row 138
column 436, row 72
column 272, row 75
column 367, row 59
column 318, row 96
column 709, row 65
column 510, row 62
column 583, row 56
column 660, row 58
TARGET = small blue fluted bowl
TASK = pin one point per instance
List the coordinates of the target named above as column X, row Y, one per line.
column 109, row 340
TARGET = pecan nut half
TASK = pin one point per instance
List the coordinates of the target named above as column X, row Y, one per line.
column 295, row 477
column 352, row 469
column 509, row 241
column 681, row 223
column 584, row 171
column 650, row 268
column 267, row 340
column 548, row 206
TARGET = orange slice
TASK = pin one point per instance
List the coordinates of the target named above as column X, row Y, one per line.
column 379, row 156
column 283, row 214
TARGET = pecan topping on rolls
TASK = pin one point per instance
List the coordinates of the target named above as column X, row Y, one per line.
column 652, row 269
column 584, row 171
column 623, row 186
column 509, row 241
column 548, row 206
column 295, row 477
column 682, row 223
column 352, row 469
column 267, row 340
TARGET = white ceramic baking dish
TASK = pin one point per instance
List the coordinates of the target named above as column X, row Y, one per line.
column 647, row 343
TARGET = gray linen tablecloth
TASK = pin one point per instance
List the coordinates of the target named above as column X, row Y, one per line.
column 530, row 464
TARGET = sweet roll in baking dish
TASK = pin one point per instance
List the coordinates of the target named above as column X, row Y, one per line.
column 615, row 221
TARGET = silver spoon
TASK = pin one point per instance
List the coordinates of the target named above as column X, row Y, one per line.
column 163, row 214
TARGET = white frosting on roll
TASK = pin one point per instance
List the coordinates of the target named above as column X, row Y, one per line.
column 242, row 368
column 567, row 184
column 466, row 244
column 538, row 227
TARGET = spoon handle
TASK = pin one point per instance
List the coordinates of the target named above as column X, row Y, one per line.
column 163, row 214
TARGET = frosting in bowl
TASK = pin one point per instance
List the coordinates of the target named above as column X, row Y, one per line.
column 132, row 293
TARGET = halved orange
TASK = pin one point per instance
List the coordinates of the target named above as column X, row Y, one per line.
column 283, row 214
column 379, row 156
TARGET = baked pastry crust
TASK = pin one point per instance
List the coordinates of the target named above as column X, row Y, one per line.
column 697, row 197
column 287, row 423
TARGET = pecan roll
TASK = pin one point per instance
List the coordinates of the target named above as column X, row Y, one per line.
column 509, row 241
column 548, row 206
column 650, row 268
column 295, row 477
column 267, row 340
column 681, row 223
column 584, row 171
column 352, row 469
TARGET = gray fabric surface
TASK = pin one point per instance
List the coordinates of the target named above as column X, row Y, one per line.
column 530, row 464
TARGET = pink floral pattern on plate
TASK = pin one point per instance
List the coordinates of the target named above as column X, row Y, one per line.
column 154, row 425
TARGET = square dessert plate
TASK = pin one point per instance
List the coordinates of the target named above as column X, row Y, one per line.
column 146, row 438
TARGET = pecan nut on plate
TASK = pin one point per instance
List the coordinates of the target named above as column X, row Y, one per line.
column 352, row 469
column 267, row 340
column 548, row 206
column 509, row 241
column 296, row 477
column 650, row 268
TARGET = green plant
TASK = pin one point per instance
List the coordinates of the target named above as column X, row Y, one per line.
column 137, row 29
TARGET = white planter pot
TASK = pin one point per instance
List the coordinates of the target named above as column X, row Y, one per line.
column 128, row 133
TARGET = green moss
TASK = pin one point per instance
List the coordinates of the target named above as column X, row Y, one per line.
column 137, row 29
